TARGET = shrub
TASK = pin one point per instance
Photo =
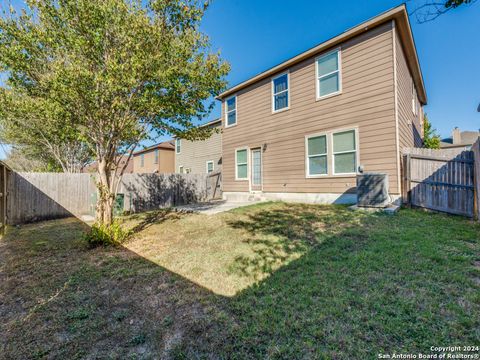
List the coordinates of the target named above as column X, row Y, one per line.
column 101, row 235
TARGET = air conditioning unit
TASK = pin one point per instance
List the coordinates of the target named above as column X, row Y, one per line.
column 372, row 190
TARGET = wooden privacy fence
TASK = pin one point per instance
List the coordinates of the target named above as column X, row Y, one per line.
column 441, row 180
column 41, row 196
column 476, row 158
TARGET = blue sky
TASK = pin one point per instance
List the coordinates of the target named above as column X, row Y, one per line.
column 255, row 35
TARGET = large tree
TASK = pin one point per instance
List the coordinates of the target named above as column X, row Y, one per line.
column 116, row 71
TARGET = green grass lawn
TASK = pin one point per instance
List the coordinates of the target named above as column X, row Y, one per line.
column 275, row 281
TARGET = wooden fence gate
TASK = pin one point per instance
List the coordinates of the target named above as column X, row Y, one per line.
column 441, row 180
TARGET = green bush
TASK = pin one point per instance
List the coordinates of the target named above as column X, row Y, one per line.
column 101, row 235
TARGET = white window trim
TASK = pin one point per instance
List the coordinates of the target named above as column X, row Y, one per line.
column 226, row 111
column 180, row 169
column 345, row 152
column 142, row 160
column 213, row 165
column 287, row 90
column 317, row 82
column 156, row 156
column 247, row 163
column 307, row 163
column 330, row 154
column 177, row 147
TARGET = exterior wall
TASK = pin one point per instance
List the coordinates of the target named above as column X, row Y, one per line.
column 410, row 130
column 166, row 162
column 367, row 102
column 195, row 154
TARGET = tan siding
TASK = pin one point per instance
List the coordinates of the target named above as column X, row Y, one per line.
column 166, row 162
column 409, row 125
column 195, row 154
column 366, row 102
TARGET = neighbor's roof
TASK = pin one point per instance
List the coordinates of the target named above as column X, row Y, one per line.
column 163, row 145
column 466, row 138
column 399, row 14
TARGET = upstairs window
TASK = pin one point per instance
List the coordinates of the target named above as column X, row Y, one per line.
column 142, row 160
column 317, row 155
column 231, row 111
column 241, row 164
column 280, row 91
column 156, row 156
column 414, row 100
column 344, row 152
column 178, row 145
column 328, row 74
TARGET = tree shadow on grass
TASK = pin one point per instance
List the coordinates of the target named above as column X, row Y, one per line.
column 155, row 217
column 279, row 235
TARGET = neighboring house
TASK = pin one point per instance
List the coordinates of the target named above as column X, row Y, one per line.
column 200, row 157
column 92, row 167
column 460, row 139
column 159, row 158
column 299, row 130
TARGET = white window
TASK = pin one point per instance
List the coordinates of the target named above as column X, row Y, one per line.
column 344, row 152
column 142, row 160
column 414, row 100
column 178, row 145
column 180, row 169
column 231, row 111
column 280, row 92
column 329, row 77
column 188, row 170
column 317, row 162
column 156, row 156
column 209, row 167
column 241, row 164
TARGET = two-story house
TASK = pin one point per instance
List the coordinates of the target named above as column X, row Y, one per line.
column 159, row 158
column 300, row 130
column 201, row 156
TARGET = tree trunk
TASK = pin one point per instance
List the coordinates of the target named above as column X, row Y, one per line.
column 105, row 196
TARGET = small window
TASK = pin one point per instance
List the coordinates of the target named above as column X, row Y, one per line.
column 344, row 152
column 180, row 169
column 178, row 145
column 142, row 160
column 231, row 111
column 280, row 92
column 209, row 167
column 328, row 74
column 317, row 155
column 241, row 161
column 156, row 156
column 414, row 100
column 188, row 170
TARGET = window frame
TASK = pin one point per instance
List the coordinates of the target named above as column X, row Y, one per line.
column 414, row 99
column 338, row 50
column 178, row 146
column 180, row 170
column 213, row 166
column 307, row 156
column 338, row 131
column 227, row 111
column 274, row 94
column 156, row 155
column 142, row 160
column 246, row 163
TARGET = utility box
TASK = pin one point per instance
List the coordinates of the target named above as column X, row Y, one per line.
column 372, row 190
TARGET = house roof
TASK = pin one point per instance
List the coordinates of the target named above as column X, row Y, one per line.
column 167, row 145
column 466, row 138
column 399, row 14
